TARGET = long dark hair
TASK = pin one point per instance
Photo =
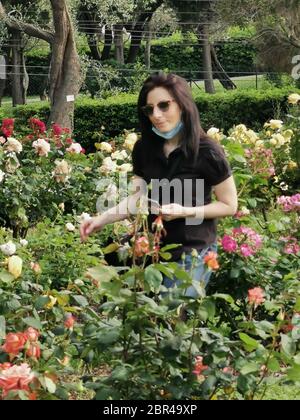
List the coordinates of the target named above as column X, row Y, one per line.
column 180, row 90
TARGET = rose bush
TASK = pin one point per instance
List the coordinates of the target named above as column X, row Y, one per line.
column 65, row 313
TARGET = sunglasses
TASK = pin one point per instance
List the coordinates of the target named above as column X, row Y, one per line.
column 162, row 106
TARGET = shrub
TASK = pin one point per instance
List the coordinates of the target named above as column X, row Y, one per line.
column 224, row 110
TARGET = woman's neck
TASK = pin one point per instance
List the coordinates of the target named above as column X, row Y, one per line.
column 174, row 142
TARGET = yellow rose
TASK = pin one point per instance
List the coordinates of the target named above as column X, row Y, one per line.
column 292, row 165
column 15, row 264
column 288, row 134
column 52, row 302
column 276, row 124
column 294, row 99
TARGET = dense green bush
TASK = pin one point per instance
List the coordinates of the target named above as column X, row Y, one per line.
column 226, row 109
column 186, row 58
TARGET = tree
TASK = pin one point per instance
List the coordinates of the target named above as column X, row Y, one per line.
column 201, row 19
column 277, row 28
column 64, row 75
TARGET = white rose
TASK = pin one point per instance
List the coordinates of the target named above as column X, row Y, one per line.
column 9, row 248
column 275, row 124
column 130, row 141
column 108, row 165
column 75, row 148
column 105, row 147
column 70, row 227
column 83, row 217
column 126, row 167
column 62, row 173
column 119, row 155
column 23, row 242
column 259, row 144
column 13, row 145
column 280, row 140
column 215, row 134
column 294, row 98
column 42, row 147
column 79, row 282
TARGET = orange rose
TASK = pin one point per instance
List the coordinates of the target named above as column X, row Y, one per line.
column 211, row 260
column 34, row 351
column 141, row 246
column 32, row 334
column 69, row 322
column 14, row 343
column 256, row 296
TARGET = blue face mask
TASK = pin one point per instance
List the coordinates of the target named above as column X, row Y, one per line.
column 169, row 134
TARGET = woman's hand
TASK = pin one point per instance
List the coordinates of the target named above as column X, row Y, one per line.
column 90, row 226
column 173, row 211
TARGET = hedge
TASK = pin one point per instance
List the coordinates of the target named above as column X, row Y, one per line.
column 183, row 57
column 222, row 110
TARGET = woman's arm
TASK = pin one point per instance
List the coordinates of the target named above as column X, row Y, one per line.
column 115, row 214
column 226, row 204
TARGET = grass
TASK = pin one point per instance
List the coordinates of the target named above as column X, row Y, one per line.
column 242, row 83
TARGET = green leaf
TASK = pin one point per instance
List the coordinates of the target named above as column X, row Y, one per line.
column 165, row 255
column 81, row 300
column 249, row 343
column 297, row 305
column 207, row 310
column 273, row 365
column 288, row 346
column 6, row 277
column 32, row 322
column 48, row 384
column 120, row 373
column 111, row 248
column 153, row 278
column 182, row 275
column 294, row 373
column 163, row 269
column 2, row 327
column 41, row 302
column 102, row 273
column 249, row 368
column 108, row 337
column 234, row 273
column 252, row 202
column 239, row 158
column 168, row 247
column 224, row 296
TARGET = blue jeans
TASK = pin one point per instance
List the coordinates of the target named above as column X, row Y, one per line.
column 199, row 272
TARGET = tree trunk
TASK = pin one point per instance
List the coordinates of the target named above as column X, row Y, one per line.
column 64, row 68
column 136, row 40
column 207, row 62
column 90, row 28
column 138, row 30
column 118, row 41
column 219, row 71
column 18, row 70
column 108, row 39
column 65, row 76
column 93, row 45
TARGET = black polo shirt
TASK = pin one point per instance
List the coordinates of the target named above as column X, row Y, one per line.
column 211, row 166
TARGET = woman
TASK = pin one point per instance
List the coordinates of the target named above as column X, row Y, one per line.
column 174, row 148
